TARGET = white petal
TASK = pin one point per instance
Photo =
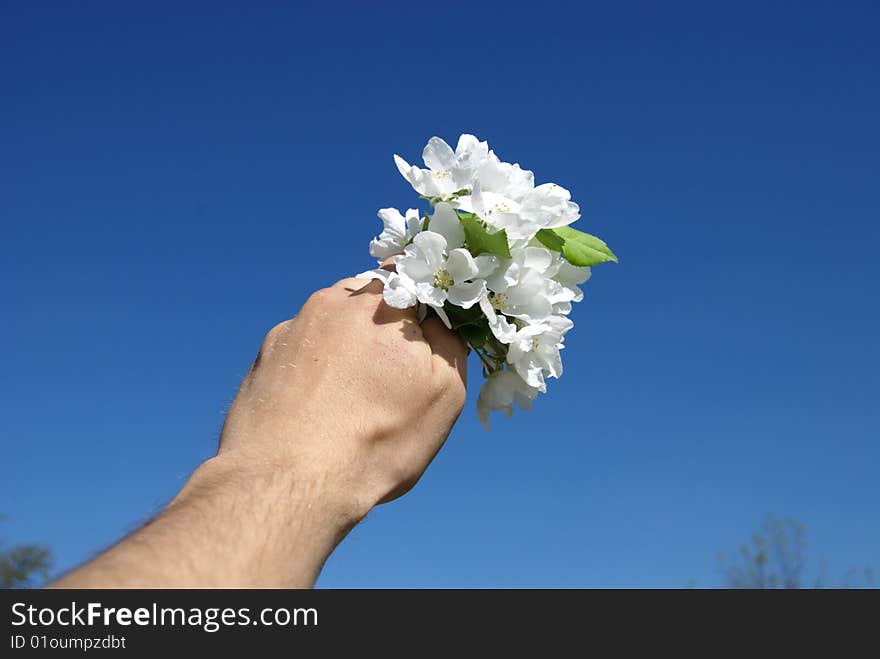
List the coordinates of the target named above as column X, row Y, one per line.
column 547, row 194
column 430, row 294
column 380, row 274
column 500, row 391
column 445, row 222
column 504, row 276
column 487, row 308
column 467, row 294
column 559, row 294
column 469, row 155
column 504, row 178
column 559, row 324
column 523, row 394
column 392, row 221
column 430, row 247
column 399, row 292
column 493, row 204
column 537, row 258
column 515, row 352
column 393, row 237
column 529, row 332
column 443, row 317
column 533, row 376
column 563, row 308
column 518, row 228
column 477, row 201
column 569, row 212
column 528, row 297
column 519, row 182
column 571, row 276
column 461, row 265
column 422, row 180
column 438, row 155
column 468, row 144
column 548, row 206
column 413, row 222
column 486, row 265
column 501, row 328
column 402, row 166
column 414, row 266
column 381, row 249
column 463, row 203
column 552, row 361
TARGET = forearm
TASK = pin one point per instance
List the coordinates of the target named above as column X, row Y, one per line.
column 343, row 408
column 235, row 523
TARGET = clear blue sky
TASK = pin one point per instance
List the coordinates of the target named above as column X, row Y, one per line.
column 175, row 178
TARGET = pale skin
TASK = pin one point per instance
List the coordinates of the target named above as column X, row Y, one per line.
column 343, row 409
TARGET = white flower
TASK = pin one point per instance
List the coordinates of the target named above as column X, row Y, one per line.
column 529, row 297
column 500, row 391
column 398, row 292
column 510, row 202
column 517, row 291
column 522, row 286
column 431, row 272
column 398, row 231
column 499, row 212
column 506, row 179
column 445, row 222
column 525, row 296
column 569, row 277
column 534, row 350
column 549, row 206
column 498, row 181
column 447, row 171
column 439, row 275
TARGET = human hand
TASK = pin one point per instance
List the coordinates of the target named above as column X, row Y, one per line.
column 352, row 395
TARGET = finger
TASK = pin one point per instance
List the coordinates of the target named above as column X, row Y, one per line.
column 385, row 313
column 362, row 285
column 358, row 284
column 373, row 295
column 448, row 348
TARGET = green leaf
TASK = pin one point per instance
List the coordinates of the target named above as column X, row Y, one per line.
column 459, row 317
column 480, row 241
column 550, row 240
column 475, row 335
column 579, row 248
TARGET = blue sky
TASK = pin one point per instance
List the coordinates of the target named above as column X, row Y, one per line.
column 177, row 177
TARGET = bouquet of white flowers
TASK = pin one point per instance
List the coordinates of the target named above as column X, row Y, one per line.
column 495, row 259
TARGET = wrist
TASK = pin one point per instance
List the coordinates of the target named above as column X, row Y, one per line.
column 277, row 524
column 281, row 488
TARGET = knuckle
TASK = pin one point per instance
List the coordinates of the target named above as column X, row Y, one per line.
column 458, row 390
column 351, row 283
column 319, row 297
column 441, row 392
column 273, row 334
column 450, row 386
column 404, row 476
